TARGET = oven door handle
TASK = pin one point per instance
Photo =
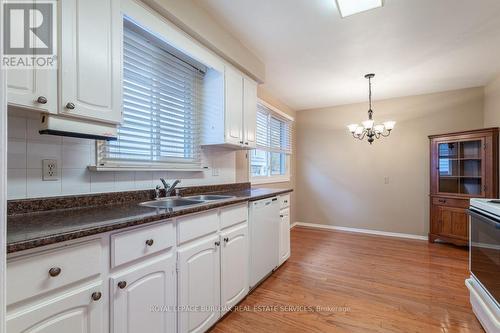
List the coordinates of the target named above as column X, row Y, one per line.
column 483, row 218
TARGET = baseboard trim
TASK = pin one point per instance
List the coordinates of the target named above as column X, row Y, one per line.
column 358, row 230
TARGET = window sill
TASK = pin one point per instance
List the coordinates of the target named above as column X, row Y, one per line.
column 104, row 169
column 269, row 180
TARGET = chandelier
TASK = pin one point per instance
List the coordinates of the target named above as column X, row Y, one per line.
column 368, row 128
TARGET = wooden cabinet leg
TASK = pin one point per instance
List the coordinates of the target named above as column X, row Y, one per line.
column 432, row 238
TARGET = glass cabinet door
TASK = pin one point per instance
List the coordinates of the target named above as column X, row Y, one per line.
column 461, row 167
column 471, row 182
column 448, row 167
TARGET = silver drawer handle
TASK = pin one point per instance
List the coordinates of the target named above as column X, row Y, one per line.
column 54, row 271
column 70, row 106
column 96, row 296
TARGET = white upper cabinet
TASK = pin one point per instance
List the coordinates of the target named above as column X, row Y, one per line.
column 249, row 112
column 234, row 266
column 89, row 66
column 234, row 107
column 91, row 60
column 33, row 88
column 82, row 310
column 231, row 122
column 144, row 298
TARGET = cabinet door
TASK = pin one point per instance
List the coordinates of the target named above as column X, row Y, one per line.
column 234, row 107
column 199, row 285
column 249, row 111
column 451, row 222
column 234, row 266
column 144, row 298
column 33, row 88
column 284, row 240
column 91, row 60
column 76, row 311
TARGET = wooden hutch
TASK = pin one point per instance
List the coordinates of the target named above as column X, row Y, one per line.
column 464, row 165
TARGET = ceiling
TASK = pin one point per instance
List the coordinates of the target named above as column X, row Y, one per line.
column 315, row 59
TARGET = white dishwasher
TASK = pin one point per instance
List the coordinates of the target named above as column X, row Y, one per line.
column 264, row 238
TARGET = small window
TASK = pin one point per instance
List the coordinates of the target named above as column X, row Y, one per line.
column 161, row 106
column 270, row 162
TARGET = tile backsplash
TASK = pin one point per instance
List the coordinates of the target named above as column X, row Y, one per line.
column 27, row 148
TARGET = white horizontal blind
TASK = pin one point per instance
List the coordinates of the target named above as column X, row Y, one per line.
column 161, row 108
column 274, row 133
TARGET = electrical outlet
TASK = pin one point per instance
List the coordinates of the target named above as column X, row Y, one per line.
column 215, row 171
column 49, row 170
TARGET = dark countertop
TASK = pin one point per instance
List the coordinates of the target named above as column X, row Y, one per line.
column 27, row 231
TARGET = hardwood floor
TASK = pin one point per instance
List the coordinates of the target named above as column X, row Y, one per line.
column 385, row 284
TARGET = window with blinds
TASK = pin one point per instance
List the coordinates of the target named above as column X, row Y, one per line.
column 161, row 106
column 271, row 158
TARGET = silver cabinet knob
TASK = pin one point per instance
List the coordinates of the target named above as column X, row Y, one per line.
column 70, row 106
column 96, row 296
column 122, row 284
column 150, row 242
column 217, row 243
column 226, row 239
column 42, row 100
column 54, row 271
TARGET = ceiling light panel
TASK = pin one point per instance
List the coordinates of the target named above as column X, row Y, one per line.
column 351, row 7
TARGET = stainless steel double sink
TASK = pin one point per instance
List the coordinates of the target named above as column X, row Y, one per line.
column 176, row 202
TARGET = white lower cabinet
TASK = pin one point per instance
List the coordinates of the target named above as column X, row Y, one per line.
column 284, row 241
column 176, row 276
column 284, row 233
column 234, row 266
column 143, row 298
column 82, row 310
column 213, row 271
column 199, row 284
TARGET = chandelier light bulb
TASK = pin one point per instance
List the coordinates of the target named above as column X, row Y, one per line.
column 389, row 125
column 368, row 124
column 352, row 127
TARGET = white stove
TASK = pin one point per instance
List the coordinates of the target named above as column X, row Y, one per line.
column 484, row 262
column 489, row 206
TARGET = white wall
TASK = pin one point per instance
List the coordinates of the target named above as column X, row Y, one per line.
column 27, row 149
column 199, row 24
column 341, row 181
column 492, row 104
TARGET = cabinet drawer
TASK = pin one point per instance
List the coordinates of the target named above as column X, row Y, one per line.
column 460, row 203
column 233, row 215
column 39, row 273
column 134, row 244
column 284, row 201
column 194, row 226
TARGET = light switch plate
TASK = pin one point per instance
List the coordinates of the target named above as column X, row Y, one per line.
column 49, row 171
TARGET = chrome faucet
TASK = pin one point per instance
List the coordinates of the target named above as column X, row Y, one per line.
column 169, row 188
